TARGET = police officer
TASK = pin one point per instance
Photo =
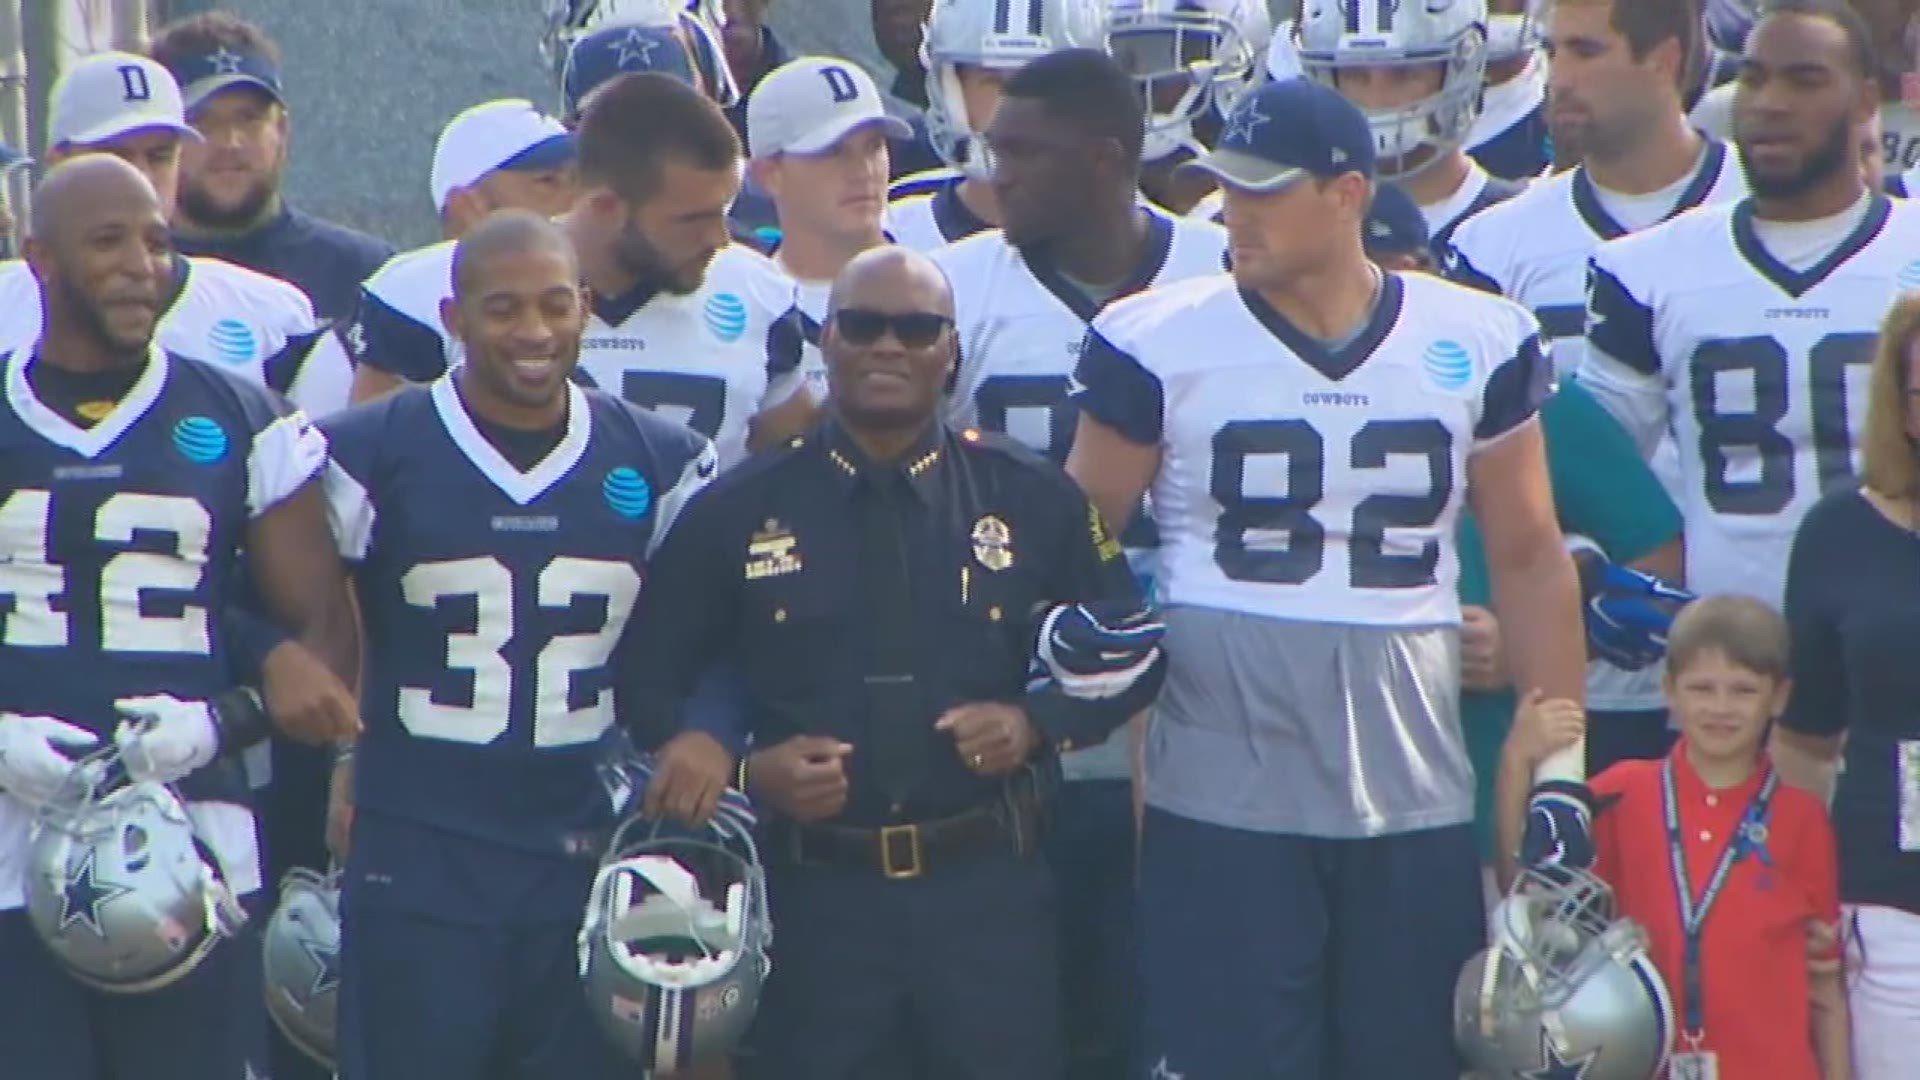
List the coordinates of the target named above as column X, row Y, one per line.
column 883, row 587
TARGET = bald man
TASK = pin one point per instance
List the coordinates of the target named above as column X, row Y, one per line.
column 511, row 493
column 110, row 445
column 880, row 584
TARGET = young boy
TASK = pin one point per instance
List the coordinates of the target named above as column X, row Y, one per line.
column 1713, row 823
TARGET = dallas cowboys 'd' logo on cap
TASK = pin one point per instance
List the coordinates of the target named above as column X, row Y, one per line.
column 1287, row 131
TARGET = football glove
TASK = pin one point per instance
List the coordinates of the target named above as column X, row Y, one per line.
column 1559, row 827
column 1627, row 612
column 32, row 768
column 165, row 738
column 1098, row 650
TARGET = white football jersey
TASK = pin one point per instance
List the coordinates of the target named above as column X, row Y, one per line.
column 712, row 359
column 1759, row 370
column 927, row 221
column 1305, row 483
column 398, row 328
column 1020, row 325
column 1211, row 207
column 225, row 315
column 1533, row 248
column 810, row 297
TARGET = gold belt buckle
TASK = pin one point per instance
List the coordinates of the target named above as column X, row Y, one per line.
column 888, row 867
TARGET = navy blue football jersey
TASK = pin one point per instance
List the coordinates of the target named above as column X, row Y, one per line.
column 495, row 603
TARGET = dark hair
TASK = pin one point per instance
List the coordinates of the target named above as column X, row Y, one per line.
column 1744, row 630
column 1649, row 24
column 208, row 32
column 1090, row 91
column 504, row 232
column 634, row 124
column 1859, row 35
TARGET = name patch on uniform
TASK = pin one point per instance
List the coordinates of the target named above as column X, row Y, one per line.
column 992, row 543
column 539, row 524
column 1103, row 541
column 88, row 472
column 771, row 552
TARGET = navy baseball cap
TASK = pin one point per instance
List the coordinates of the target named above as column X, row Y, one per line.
column 598, row 57
column 202, row 75
column 1287, row 131
column 1395, row 225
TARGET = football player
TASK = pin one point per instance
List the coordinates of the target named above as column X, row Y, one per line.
column 1309, row 427
column 1614, row 92
column 681, row 320
column 1066, row 144
column 245, row 322
column 1510, row 137
column 818, row 132
column 970, row 47
column 1746, row 328
column 1416, row 71
column 498, row 155
column 132, row 479
column 499, row 524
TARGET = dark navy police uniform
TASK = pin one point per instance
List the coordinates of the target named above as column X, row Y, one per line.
column 862, row 601
column 496, row 573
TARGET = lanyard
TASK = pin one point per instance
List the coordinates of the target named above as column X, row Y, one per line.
column 1751, row 834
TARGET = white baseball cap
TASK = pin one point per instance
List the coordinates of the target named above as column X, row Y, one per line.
column 806, row 105
column 507, row 133
column 107, row 95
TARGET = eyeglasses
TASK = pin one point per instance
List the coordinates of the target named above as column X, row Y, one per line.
column 913, row 329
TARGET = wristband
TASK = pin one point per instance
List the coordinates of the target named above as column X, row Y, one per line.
column 240, row 720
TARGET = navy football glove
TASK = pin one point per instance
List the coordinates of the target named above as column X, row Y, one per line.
column 1098, row 650
column 1627, row 612
column 1559, row 826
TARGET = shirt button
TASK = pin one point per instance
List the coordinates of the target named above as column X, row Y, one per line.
column 1713, row 800
column 1706, row 837
column 895, row 808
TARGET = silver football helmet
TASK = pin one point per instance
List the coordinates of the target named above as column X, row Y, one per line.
column 697, row 22
column 1000, row 35
column 1513, row 34
column 673, row 949
column 1448, row 35
column 120, row 887
column 300, row 949
column 1566, row 988
column 1188, row 57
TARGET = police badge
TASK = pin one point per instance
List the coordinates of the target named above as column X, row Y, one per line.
column 992, row 543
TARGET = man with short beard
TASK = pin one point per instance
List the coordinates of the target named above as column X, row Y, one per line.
column 1747, row 328
column 231, row 206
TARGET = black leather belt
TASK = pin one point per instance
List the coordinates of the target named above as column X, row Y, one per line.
column 903, row 852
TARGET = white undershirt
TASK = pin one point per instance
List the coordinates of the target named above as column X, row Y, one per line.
column 1441, row 214
column 1801, row 244
column 1636, row 212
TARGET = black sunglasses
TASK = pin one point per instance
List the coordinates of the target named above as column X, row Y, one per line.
column 913, row 329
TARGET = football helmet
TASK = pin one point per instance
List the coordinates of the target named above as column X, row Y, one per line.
column 1450, row 35
column 673, row 949
column 1188, row 57
column 1001, row 35
column 301, row 952
column 694, row 24
column 1566, row 988
column 1513, row 34
column 120, row 887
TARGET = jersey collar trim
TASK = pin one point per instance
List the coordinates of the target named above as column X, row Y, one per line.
column 616, row 310
column 521, row 487
column 1797, row 283
column 1333, row 364
column 1587, row 201
column 88, row 442
column 1153, row 260
column 952, row 217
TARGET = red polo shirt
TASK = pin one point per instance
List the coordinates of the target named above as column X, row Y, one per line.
column 1754, row 949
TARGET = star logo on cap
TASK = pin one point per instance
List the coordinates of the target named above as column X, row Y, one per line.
column 226, row 62
column 1244, row 122
column 636, row 45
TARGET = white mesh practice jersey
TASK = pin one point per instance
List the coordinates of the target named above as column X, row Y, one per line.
column 398, row 328
column 1533, row 248
column 1304, row 482
column 1020, row 324
column 932, row 218
column 1759, row 370
column 712, row 359
column 810, row 296
column 236, row 319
